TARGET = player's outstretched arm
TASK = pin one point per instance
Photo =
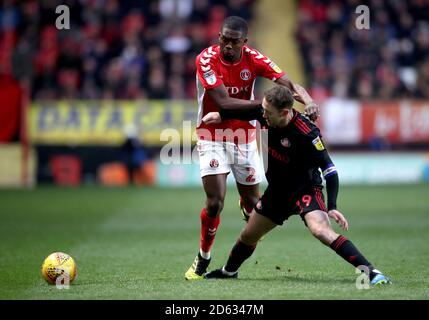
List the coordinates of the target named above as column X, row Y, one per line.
column 332, row 186
column 301, row 95
column 221, row 98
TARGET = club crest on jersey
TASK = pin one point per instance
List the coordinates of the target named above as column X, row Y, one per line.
column 214, row 163
column 245, row 74
column 318, row 144
column 210, row 77
column 275, row 67
column 285, row 142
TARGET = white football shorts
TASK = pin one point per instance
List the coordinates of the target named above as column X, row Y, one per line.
column 218, row 157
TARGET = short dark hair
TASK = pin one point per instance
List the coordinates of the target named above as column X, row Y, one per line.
column 279, row 97
column 237, row 24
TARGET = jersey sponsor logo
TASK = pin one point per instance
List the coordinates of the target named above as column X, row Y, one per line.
column 210, row 77
column 237, row 90
column 318, row 144
column 214, row 163
column 245, row 74
column 285, row 142
column 275, row 67
column 277, row 155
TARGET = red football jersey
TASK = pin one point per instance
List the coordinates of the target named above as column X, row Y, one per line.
column 239, row 80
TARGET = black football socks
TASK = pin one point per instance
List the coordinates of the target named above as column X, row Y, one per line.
column 346, row 249
column 239, row 253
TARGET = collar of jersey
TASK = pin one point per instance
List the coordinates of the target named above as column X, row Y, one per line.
column 295, row 115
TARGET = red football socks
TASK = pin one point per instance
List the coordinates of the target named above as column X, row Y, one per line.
column 208, row 230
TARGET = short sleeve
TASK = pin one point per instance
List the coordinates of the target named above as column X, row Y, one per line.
column 273, row 72
column 206, row 65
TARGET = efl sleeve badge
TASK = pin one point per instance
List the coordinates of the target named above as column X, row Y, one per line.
column 318, row 144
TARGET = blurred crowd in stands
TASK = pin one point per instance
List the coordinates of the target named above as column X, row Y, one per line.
column 130, row 49
column 388, row 61
column 120, row 49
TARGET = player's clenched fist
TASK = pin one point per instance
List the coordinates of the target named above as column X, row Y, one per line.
column 312, row 111
column 212, row 118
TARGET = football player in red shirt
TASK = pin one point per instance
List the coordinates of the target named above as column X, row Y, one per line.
column 225, row 79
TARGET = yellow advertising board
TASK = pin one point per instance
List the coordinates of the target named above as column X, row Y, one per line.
column 96, row 122
column 15, row 169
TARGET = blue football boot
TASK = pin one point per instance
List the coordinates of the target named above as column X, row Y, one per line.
column 380, row 279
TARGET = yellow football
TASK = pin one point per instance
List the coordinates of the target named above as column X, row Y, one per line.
column 59, row 268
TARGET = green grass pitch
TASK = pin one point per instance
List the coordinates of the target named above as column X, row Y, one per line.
column 137, row 244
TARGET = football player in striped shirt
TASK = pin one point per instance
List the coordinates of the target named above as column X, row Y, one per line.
column 295, row 154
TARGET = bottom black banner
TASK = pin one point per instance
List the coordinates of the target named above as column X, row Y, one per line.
column 222, row 309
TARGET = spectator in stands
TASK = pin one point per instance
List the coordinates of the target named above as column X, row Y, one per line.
column 383, row 62
column 115, row 48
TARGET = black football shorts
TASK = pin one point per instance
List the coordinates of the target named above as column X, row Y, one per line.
column 278, row 207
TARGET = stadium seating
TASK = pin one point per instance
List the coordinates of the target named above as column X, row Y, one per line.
column 114, row 49
column 387, row 61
